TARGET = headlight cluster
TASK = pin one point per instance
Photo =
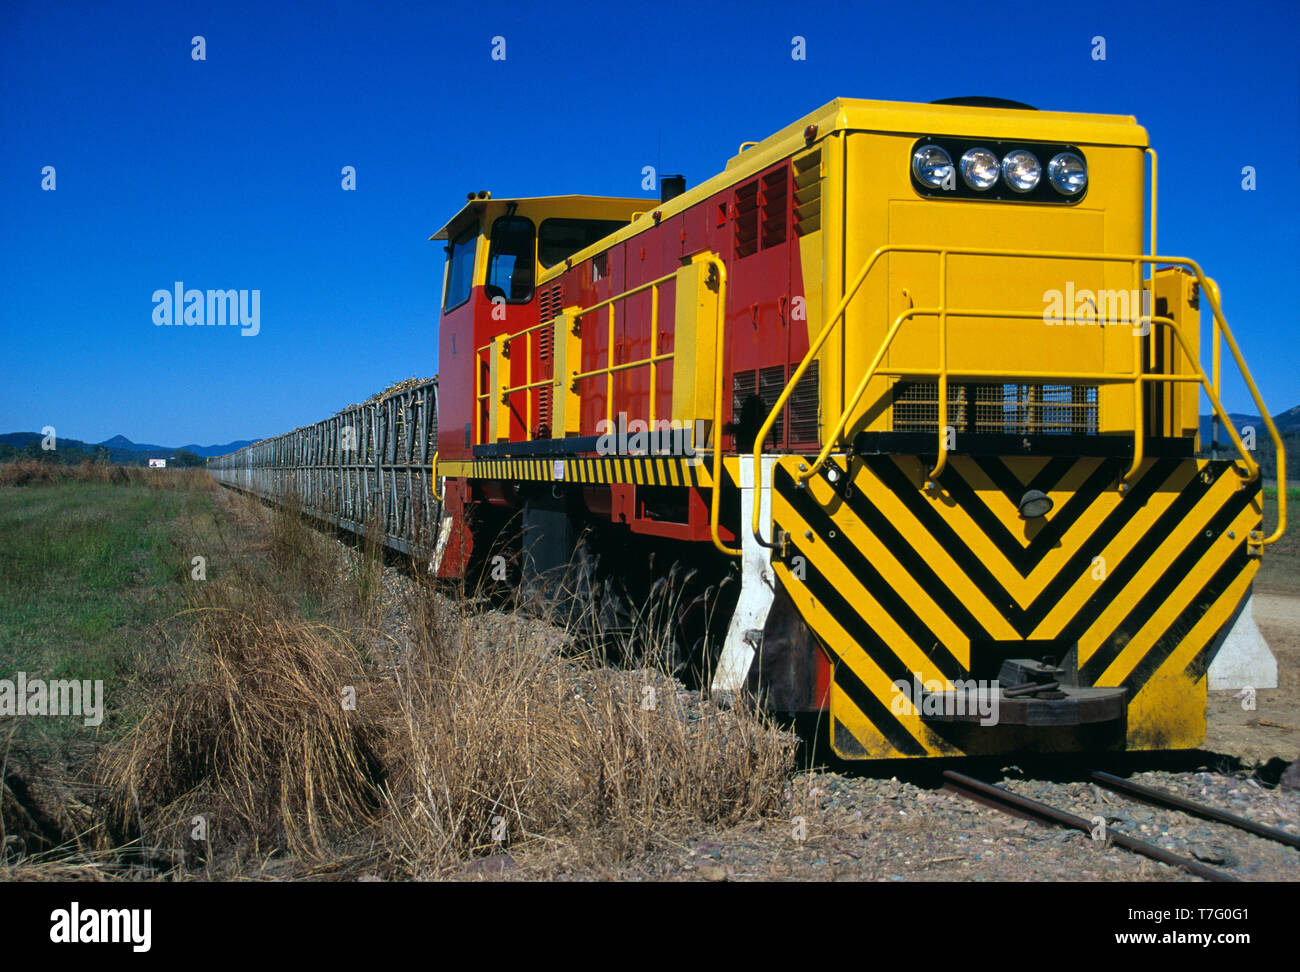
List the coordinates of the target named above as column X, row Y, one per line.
column 999, row 170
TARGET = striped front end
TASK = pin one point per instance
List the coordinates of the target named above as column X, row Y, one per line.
column 1127, row 589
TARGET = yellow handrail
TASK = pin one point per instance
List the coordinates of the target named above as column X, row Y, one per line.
column 874, row 371
column 1212, row 291
column 528, row 385
column 719, row 348
column 608, row 371
column 1137, row 377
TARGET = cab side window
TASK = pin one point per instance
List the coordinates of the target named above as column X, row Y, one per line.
column 511, row 260
column 561, row 238
column 460, row 270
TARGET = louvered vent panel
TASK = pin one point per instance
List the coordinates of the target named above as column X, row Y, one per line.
column 546, row 363
column 551, row 302
column 774, row 203
column 544, row 423
column 745, row 219
column 808, row 193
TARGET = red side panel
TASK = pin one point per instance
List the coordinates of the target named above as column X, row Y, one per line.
column 456, row 378
column 460, row 542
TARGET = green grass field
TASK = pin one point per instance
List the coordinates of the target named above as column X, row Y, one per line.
column 89, row 574
column 1280, row 571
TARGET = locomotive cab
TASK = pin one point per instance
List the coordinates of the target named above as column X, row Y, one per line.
column 497, row 249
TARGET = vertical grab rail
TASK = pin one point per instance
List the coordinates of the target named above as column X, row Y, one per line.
column 1139, row 398
column 941, row 419
column 715, row 499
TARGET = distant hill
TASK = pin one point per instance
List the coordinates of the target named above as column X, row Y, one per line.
column 1288, row 426
column 120, row 448
column 1288, row 421
column 1238, row 419
column 121, row 442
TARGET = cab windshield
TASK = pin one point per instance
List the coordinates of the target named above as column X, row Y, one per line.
column 460, row 268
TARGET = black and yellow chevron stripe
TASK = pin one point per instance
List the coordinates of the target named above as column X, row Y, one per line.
column 1133, row 586
column 643, row 471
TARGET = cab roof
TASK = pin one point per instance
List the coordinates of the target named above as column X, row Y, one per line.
column 864, row 115
column 903, row 117
column 474, row 206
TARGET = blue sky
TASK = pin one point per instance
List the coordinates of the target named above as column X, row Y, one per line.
column 225, row 173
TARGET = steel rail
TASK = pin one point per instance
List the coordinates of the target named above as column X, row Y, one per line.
column 1161, row 798
column 1001, row 799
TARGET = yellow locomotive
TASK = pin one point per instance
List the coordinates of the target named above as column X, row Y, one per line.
column 1053, row 548
column 903, row 407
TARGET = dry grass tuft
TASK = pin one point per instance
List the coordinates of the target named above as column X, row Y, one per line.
column 253, row 736
column 299, row 550
column 508, row 742
column 366, row 571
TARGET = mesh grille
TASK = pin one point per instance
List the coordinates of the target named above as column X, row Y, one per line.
column 798, row 421
column 916, row 406
column 998, row 408
column 771, row 382
column 743, row 384
column 803, row 406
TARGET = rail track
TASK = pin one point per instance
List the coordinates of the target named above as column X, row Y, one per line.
column 1003, row 800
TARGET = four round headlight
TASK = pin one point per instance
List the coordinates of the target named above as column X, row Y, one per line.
column 1019, row 170
column 931, row 165
column 979, row 169
column 1068, row 174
